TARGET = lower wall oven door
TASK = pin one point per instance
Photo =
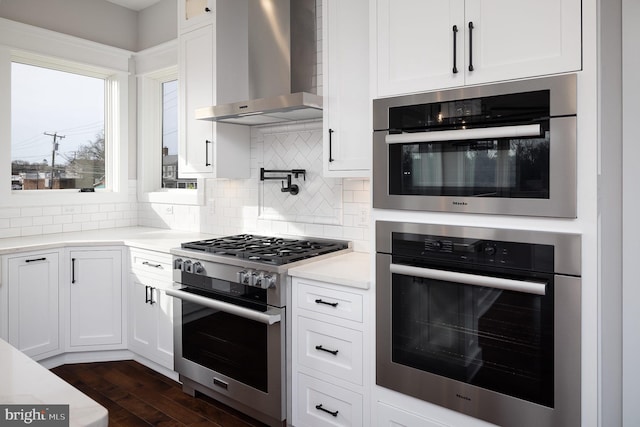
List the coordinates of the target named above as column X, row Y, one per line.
column 235, row 352
column 502, row 349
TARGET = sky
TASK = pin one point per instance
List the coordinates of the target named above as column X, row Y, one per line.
column 49, row 101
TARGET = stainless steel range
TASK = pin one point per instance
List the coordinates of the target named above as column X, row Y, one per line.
column 230, row 324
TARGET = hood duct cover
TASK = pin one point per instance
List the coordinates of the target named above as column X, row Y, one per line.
column 282, row 61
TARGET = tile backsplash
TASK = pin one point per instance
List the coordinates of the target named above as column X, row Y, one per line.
column 325, row 207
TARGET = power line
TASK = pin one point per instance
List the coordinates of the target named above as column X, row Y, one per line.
column 53, row 152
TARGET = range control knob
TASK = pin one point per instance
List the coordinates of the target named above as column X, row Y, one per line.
column 268, row 280
column 187, row 266
column 177, row 264
column 198, row 268
column 244, row 277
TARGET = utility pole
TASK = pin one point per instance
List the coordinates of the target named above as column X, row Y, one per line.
column 53, row 152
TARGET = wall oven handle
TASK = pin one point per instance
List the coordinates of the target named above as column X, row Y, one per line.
column 536, row 288
column 268, row 318
column 462, row 134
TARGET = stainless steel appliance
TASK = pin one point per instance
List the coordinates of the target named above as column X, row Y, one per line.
column 482, row 321
column 230, row 323
column 507, row 148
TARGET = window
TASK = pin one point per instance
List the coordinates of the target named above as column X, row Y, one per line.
column 41, row 70
column 169, row 141
column 159, row 178
column 57, row 129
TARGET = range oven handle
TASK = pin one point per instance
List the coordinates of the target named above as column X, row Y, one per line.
column 268, row 318
column 464, row 134
column 536, row 288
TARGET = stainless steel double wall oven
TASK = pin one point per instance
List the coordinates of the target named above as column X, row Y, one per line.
column 507, row 148
column 482, row 321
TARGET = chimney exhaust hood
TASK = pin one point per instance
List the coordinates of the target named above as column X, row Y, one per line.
column 282, row 61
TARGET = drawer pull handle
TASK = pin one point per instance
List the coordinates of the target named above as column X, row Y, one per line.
column 320, row 408
column 151, row 265
column 332, row 304
column 321, row 348
column 35, row 259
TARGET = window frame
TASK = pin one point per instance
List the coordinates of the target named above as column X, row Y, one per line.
column 34, row 46
column 157, row 66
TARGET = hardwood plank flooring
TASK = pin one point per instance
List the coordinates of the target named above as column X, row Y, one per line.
column 135, row 395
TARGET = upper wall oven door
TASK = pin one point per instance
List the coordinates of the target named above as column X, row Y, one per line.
column 477, row 151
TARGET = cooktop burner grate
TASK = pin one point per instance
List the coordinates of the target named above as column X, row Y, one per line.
column 264, row 249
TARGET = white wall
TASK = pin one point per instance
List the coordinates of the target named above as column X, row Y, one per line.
column 631, row 209
column 157, row 24
column 95, row 20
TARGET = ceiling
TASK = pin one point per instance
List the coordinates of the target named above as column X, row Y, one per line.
column 134, row 4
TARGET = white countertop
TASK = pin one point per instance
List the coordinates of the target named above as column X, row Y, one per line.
column 352, row 269
column 25, row 381
column 156, row 239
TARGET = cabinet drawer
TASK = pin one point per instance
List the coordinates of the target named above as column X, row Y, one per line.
column 390, row 416
column 323, row 404
column 148, row 262
column 337, row 303
column 330, row 349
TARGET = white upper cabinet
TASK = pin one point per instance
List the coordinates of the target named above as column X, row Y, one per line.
column 194, row 13
column 346, row 115
column 431, row 44
column 207, row 149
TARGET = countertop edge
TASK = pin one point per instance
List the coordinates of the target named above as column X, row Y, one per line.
column 351, row 269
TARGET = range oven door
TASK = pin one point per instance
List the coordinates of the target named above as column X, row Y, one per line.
column 235, row 352
column 498, row 348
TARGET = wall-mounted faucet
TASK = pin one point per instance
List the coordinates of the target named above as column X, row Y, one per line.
column 292, row 189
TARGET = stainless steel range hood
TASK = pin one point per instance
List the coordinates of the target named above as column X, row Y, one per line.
column 282, row 60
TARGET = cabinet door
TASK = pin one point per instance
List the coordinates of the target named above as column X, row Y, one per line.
column 33, row 303
column 95, row 297
column 207, row 149
column 164, row 328
column 347, row 105
column 193, row 13
column 142, row 319
column 195, row 83
column 515, row 39
column 415, row 45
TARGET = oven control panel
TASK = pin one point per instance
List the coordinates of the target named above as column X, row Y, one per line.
column 214, row 271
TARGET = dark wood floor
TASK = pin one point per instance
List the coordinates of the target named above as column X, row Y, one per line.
column 137, row 396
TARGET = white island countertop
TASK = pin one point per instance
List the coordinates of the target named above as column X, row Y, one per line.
column 26, row 382
column 352, row 269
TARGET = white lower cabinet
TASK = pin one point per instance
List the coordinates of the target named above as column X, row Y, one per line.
column 324, row 404
column 95, row 299
column 390, row 416
column 150, row 308
column 33, row 316
column 328, row 362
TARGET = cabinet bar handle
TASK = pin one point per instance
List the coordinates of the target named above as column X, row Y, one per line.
column 455, row 38
column 151, row 265
column 471, row 46
column 35, row 260
column 321, row 348
column 331, row 159
column 206, row 153
column 146, row 294
column 332, row 304
column 320, row 408
column 73, row 270
column 151, row 300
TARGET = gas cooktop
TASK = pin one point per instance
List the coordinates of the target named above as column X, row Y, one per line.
column 264, row 249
